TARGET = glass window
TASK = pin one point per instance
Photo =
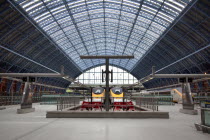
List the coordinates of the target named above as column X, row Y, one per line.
column 81, row 24
column 94, row 76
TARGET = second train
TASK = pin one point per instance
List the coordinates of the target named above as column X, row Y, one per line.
column 117, row 100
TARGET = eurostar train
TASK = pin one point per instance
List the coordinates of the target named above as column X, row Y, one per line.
column 98, row 94
column 96, row 101
column 116, row 94
column 118, row 102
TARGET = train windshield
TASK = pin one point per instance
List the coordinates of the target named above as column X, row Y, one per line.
column 98, row 90
column 117, row 90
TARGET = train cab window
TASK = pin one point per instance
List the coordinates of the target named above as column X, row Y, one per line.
column 98, row 90
column 117, row 90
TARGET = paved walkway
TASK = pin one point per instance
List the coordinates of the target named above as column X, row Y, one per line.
column 35, row 126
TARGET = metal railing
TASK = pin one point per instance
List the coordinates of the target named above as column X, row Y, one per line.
column 199, row 99
column 92, row 103
column 64, row 102
column 14, row 100
column 148, row 102
column 53, row 99
column 165, row 100
column 162, row 100
column 49, row 99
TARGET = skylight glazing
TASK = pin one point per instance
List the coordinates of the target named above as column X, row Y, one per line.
column 104, row 27
column 94, row 76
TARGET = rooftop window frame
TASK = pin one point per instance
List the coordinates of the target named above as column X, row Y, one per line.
column 159, row 19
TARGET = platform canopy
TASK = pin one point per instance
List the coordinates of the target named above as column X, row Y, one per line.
column 103, row 27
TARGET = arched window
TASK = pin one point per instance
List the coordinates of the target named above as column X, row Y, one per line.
column 94, row 76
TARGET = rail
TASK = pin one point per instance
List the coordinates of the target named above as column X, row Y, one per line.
column 64, row 102
column 162, row 100
column 49, row 99
column 199, row 99
column 116, row 103
column 148, row 102
column 14, row 100
column 53, row 99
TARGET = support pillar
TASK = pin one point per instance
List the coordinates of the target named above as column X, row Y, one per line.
column 187, row 97
column 22, row 88
column 4, row 86
column 12, row 92
column 107, row 100
column 91, row 99
column 26, row 103
column 187, row 101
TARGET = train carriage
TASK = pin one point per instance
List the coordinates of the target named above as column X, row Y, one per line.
column 96, row 101
column 118, row 101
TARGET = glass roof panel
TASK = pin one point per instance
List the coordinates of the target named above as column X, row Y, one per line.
column 104, row 27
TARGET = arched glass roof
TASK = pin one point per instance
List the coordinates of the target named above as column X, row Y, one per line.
column 94, row 76
column 104, row 27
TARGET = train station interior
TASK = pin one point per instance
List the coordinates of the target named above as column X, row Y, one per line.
column 104, row 69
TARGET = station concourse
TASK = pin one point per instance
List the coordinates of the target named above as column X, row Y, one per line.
column 104, row 69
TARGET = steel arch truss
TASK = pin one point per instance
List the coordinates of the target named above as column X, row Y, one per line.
column 103, row 27
column 25, row 49
column 184, row 49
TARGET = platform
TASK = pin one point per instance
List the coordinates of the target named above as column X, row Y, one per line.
column 2, row 107
column 190, row 112
column 104, row 114
column 35, row 126
column 25, row 110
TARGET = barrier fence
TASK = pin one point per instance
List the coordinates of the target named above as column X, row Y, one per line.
column 53, row 99
column 67, row 102
column 162, row 100
column 14, row 100
column 49, row 99
column 93, row 103
column 148, row 102
column 200, row 99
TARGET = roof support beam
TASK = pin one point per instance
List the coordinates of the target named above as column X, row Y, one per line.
column 153, row 75
column 31, row 74
column 27, row 58
column 181, row 75
column 34, row 83
column 41, row 31
column 76, row 27
column 107, row 56
column 207, row 46
column 57, row 74
column 176, row 85
column 164, row 34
